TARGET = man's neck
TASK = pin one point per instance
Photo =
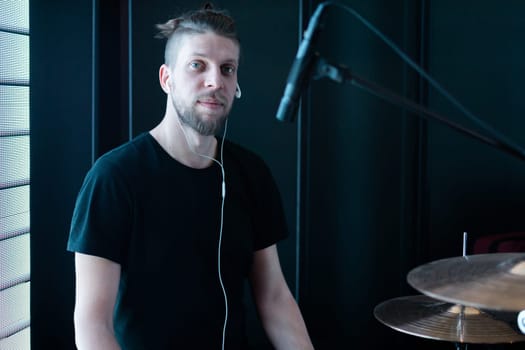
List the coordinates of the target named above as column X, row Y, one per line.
column 185, row 144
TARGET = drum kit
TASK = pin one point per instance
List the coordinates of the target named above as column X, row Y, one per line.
column 470, row 299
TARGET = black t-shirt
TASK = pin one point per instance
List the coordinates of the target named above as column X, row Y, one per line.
column 161, row 221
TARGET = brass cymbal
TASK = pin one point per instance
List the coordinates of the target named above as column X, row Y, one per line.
column 486, row 281
column 426, row 317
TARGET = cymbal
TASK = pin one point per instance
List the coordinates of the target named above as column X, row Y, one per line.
column 493, row 281
column 426, row 317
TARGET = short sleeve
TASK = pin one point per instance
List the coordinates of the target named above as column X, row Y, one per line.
column 269, row 215
column 102, row 215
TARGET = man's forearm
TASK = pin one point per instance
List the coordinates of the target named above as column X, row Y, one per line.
column 284, row 325
column 95, row 337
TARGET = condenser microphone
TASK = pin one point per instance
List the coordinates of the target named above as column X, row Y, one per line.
column 301, row 68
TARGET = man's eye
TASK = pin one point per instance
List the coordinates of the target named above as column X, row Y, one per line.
column 196, row 65
column 228, row 70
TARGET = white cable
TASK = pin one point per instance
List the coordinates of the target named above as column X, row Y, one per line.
column 223, row 196
column 223, row 193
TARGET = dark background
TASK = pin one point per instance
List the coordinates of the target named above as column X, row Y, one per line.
column 370, row 190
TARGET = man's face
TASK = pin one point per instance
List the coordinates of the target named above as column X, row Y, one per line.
column 203, row 80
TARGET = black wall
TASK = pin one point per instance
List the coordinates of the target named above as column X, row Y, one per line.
column 477, row 55
column 361, row 150
column 381, row 190
column 61, row 150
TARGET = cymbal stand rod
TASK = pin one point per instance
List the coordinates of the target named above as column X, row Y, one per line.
column 464, row 244
column 461, row 346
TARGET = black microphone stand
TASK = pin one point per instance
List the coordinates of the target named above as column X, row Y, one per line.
column 340, row 74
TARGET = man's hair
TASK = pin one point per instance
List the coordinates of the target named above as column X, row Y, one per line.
column 206, row 19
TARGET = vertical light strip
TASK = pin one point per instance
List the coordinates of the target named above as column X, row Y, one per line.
column 298, row 211
column 15, row 318
column 93, row 77
column 130, row 69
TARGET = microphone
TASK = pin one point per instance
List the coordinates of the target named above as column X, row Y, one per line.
column 301, row 69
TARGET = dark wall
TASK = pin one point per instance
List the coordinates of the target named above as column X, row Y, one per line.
column 478, row 56
column 61, row 151
column 382, row 190
column 360, row 153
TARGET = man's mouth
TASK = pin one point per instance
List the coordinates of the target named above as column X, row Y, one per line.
column 210, row 102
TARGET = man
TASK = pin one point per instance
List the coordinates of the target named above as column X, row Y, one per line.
column 168, row 226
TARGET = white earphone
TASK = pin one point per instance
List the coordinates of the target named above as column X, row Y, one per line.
column 238, row 91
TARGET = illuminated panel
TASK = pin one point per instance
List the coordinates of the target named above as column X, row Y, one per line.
column 15, row 267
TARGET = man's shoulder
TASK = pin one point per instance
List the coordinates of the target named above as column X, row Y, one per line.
column 241, row 153
column 248, row 163
column 129, row 151
column 125, row 157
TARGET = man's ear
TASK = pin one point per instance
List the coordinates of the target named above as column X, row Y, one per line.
column 164, row 78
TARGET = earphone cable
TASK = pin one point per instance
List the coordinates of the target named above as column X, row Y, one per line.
column 223, row 198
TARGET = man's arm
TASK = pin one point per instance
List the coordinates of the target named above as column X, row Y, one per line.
column 279, row 312
column 97, row 281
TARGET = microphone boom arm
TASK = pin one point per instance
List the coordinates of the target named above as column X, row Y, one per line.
column 340, row 74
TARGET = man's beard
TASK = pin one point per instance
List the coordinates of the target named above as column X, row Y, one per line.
column 190, row 117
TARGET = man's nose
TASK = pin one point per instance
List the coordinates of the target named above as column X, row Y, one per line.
column 214, row 78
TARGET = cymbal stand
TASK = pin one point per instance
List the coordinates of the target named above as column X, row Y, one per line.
column 461, row 346
column 464, row 244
